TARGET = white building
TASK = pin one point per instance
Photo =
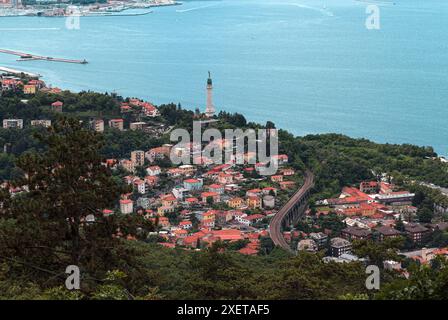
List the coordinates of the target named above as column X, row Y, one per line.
column 43, row 123
column 179, row 192
column 126, row 206
column 153, row 170
column 141, row 186
column 97, row 125
column 268, row 202
column 13, row 124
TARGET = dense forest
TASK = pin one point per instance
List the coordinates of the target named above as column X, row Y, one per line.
column 44, row 230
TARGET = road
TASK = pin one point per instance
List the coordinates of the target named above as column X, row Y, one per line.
column 275, row 226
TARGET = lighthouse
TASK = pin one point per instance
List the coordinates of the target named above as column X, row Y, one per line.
column 210, row 109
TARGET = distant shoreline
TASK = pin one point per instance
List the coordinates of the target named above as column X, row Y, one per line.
column 112, row 13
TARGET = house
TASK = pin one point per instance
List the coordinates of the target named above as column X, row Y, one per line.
column 191, row 201
column 235, row 202
column 287, row 185
column 193, row 184
column 401, row 198
column 149, row 109
column 356, row 233
column 140, row 125
column 369, row 187
column 210, row 195
column 227, row 234
column 168, row 200
column 151, row 180
column 179, row 192
column 141, row 186
column 153, row 170
column 164, row 222
column 307, row 245
column 57, row 106
column 97, row 125
column 107, row 212
column 187, row 169
column 385, row 232
column 287, row 172
column 43, row 123
column 163, row 210
column 186, row 224
column 117, row 124
column 124, row 108
column 174, row 172
column 339, row 246
column 223, row 217
column 319, row 238
column 208, row 219
column 126, row 206
column 416, row 232
column 11, row 84
column 138, row 157
column 281, row 159
column 225, row 178
column 268, row 202
column 254, row 202
column 38, row 83
column 218, row 188
column 254, row 218
column 29, row 89
column 248, row 219
column 180, row 233
column 13, row 123
column 277, row 178
column 270, row 191
column 130, row 180
column 386, row 187
column 158, row 153
column 127, row 165
column 253, row 192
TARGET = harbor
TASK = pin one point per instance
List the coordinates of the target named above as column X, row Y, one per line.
column 110, row 9
column 29, row 57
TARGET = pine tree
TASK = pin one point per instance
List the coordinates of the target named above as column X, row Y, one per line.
column 45, row 228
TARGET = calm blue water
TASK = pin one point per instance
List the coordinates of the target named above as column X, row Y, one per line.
column 309, row 66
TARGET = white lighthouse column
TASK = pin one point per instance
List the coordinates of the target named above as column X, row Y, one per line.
column 210, row 109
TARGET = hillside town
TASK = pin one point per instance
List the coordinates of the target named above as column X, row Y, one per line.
column 192, row 205
column 374, row 210
column 195, row 205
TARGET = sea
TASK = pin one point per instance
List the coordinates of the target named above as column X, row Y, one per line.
column 370, row 69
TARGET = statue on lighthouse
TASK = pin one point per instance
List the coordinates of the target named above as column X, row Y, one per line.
column 210, row 109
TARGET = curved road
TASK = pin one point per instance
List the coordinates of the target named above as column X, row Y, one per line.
column 275, row 226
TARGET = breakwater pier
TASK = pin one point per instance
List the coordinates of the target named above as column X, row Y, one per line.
column 28, row 57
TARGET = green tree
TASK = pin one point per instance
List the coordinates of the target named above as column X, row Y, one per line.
column 45, row 228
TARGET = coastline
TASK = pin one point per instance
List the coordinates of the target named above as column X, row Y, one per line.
column 112, row 10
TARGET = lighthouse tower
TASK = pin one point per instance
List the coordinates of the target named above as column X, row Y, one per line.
column 210, row 109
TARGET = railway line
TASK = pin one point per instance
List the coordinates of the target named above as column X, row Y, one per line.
column 291, row 210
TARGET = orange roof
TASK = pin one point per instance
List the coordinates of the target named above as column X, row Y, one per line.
column 208, row 194
column 228, row 234
column 192, row 181
column 57, row 104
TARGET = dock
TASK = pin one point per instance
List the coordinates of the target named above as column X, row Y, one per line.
column 29, row 57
